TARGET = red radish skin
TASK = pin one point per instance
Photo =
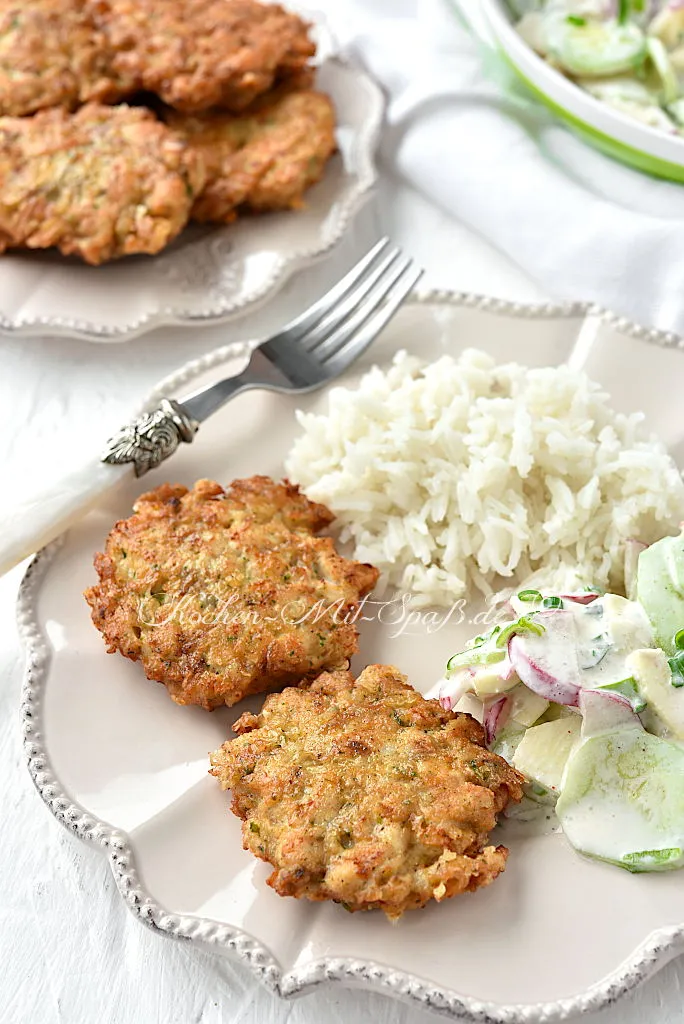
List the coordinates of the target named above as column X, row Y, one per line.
column 590, row 698
column 538, row 679
column 494, row 717
column 580, row 598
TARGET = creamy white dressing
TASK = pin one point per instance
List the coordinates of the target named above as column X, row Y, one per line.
column 567, row 651
column 602, row 634
column 584, row 644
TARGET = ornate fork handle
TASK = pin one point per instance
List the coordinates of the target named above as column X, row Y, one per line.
column 150, row 439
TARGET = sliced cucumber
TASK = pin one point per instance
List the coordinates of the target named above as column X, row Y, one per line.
column 620, row 89
column 666, row 73
column 556, row 711
column 544, row 750
column 654, row 679
column 660, row 588
column 623, row 800
column 507, row 740
column 526, row 707
column 676, row 111
column 596, row 48
column 487, row 681
column 626, row 622
column 668, row 27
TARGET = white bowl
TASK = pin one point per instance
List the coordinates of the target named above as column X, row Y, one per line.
column 607, row 129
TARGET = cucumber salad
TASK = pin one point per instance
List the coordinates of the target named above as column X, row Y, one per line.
column 583, row 693
column 627, row 53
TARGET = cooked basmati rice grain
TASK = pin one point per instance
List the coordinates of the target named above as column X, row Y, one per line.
column 456, row 473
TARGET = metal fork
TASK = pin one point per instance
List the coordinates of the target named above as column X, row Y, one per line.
column 312, row 350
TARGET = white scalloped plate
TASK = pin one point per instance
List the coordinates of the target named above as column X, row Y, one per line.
column 123, row 767
column 208, row 274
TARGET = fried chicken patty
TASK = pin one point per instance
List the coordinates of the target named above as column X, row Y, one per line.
column 364, row 793
column 197, row 54
column 264, row 159
column 225, row 593
column 101, row 183
column 51, row 54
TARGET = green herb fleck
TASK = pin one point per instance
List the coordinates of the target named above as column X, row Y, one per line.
column 677, row 669
column 628, row 689
column 576, row 19
column 253, row 827
column 522, row 626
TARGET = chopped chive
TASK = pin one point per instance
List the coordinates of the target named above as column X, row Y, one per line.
column 677, row 669
column 576, row 19
column 529, row 595
column 523, row 625
column 623, row 11
column 679, row 639
column 627, row 688
column 552, row 602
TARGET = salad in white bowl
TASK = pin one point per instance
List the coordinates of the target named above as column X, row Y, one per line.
column 584, row 694
column 627, row 53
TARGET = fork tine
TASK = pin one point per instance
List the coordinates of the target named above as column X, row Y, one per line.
column 327, row 347
column 306, row 320
column 341, row 310
column 362, row 338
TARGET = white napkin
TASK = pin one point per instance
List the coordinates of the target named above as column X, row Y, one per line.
column 462, row 132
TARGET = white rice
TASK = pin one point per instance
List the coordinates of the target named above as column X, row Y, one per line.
column 459, row 472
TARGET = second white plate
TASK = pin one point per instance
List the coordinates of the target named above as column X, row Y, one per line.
column 208, row 274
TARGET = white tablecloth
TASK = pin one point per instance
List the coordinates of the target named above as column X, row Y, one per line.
column 70, row 951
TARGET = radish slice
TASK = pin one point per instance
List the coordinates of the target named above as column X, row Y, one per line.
column 494, row 717
column 548, row 665
column 603, row 710
column 580, row 598
column 538, row 679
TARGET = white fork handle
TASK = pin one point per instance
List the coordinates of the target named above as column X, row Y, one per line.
column 40, row 518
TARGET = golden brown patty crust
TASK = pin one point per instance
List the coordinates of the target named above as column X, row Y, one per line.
column 363, row 792
column 221, row 594
column 197, row 54
column 264, row 159
column 101, row 183
column 51, row 54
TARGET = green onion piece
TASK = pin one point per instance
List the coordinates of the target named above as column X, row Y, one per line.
column 523, row 625
column 677, row 669
column 476, row 656
column 552, row 602
column 679, row 639
column 627, row 688
column 576, row 19
column 529, row 595
column 623, row 11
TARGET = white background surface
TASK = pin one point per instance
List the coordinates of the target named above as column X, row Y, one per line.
column 70, row 951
